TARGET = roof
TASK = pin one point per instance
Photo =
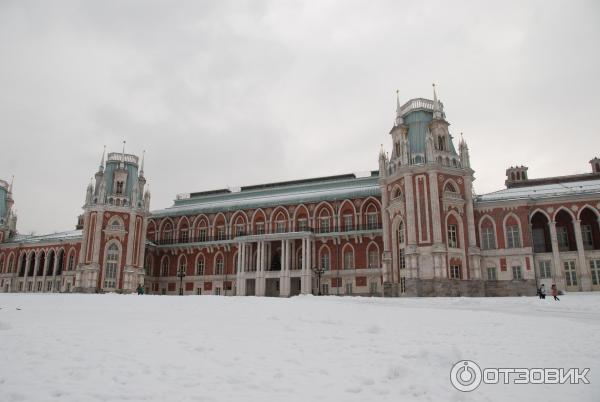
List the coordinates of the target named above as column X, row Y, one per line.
column 295, row 192
column 543, row 191
column 53, row 237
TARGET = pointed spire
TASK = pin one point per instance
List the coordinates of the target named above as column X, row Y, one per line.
column 10, row 186
column 437, row 109
column 399, row 119
column 142, row 165
column 101, row 167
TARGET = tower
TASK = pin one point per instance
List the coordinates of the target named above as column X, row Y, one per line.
column 8, row 219
column 114, row 226
column 427, row 204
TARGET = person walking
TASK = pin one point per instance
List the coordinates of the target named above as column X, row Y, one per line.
column 555, row 292
column 139, row 289
column 542, row 292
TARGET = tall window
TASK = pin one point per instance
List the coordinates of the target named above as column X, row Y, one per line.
column 348, row 223
column 586, row 236
column 182, row 264
column 401, row 259
column 184, row 236
column 325, row 260
column 595, row 268
column 348, row 259
column 164, row 267
column 302, row 225
column 239, row 229
column 492, row 273
column 119, row 188
column 545, row 269
column 488, row 237
column 1, row 264
column 221, row 233
column 71, row 264
column 260, row 228
column 324, row 224
column 372, row 220
column 280, row 226
column 10, row 264
column 373, row 259
column 110, row 272
column 517, row 272
column 570, row 273
column 202, row 235
column 562, row 235
column 539, row 240
column 400, row 233
column 452, row 236
column 219, row 266
column 512, row 236
column 455, row 271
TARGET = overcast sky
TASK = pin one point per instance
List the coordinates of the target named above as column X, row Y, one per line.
column 235, row 93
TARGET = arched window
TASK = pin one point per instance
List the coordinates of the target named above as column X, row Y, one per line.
column 200, row 265
column 324, row 259
column 349, row 258
column 110, row 271
column 400, row 233
column 2, row 264
column 71, row 264
column 373, row 257
column 164, row 267
column 441, row 146
column 182, row 266
column 219, row 265
column 10, row 264
column 397, row 193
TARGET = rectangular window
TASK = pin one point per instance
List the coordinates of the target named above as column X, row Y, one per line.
column 455, row 272
column 239, row 229
column 221, row 233
column 199, row 291
column 348, row 223
column 512, row 236
column 39, row 286
column 48, row 286
column 260, row 228
column 489, row 240
column 562, row 235
column 324, row 225
column 595, row 268
column 517, row 272
column 402, row 284
column 570, row 273
column 202, row 235
column 492, row 274
column 348, row 260
column 372, row 221
column 302, row 225
column 545, row 269
column 586, row 236
column 452, row 237
column 200, row 267
column 325, row 289
column 373, row 288
column 184, row 236
column 217, row 291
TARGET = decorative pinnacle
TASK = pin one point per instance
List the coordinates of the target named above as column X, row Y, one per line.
column 399, row 119
column 10, row 187
column 142, row 165
column 437, row 110
column 101, row 168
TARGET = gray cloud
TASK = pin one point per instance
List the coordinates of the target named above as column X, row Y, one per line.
column 231, row 93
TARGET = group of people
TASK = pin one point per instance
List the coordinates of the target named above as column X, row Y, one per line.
column 140, row 289
column 542, row 292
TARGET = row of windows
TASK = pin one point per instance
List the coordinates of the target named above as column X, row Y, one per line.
column 513, row 237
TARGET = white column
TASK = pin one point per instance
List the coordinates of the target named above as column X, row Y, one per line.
column 240, row 273
column 36, row 266
column 26, row 272
column 559, row 275
column 585, row 274
column 435, row 208
column 410, row 210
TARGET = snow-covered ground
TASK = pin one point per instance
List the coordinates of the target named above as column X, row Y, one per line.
column 210, row 348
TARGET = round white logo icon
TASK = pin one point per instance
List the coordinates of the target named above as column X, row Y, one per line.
column 465, row 375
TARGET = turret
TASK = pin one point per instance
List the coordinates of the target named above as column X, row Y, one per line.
column 383, row 163
column 515, row 174
column 595, row 165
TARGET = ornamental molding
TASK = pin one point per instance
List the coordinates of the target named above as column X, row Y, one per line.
column 396, row 207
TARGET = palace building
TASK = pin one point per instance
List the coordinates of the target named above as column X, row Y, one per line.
column 413, row 227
